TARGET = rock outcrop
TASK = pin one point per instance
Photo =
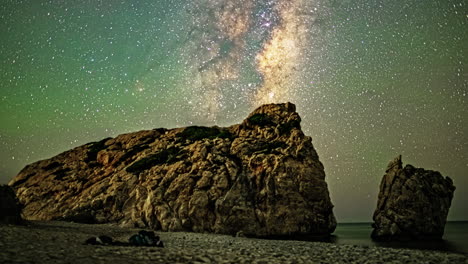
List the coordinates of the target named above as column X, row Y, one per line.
column 262, row 178
column 10, row 208
column 413, row 203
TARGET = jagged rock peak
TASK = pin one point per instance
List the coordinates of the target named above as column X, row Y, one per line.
column 413, row 203
column 395, row 164
column 261, row 177
column 273, row 115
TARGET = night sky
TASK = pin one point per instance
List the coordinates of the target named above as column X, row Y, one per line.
column 370, row 79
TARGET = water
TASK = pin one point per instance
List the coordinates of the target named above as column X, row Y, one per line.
column 455, row 238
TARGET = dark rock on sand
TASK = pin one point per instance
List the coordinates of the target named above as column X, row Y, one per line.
column 142, row 239
column 145, row 239
column 100, row 240
column 413, row 203
column 10, row 208
column 262, row 177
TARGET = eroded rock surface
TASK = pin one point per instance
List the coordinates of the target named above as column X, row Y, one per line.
column 262, row 177
column 413, row 203
column 10, row 208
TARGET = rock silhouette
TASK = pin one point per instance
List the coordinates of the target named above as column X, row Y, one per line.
column 413, row 203
column 10, row 208
column 261, row 177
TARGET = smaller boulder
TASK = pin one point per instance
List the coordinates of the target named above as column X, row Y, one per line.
column 100, row 240
column 145, row 238
column 10, row 208
column 413, row 203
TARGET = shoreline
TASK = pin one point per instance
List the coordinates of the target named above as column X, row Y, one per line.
column 63, row 242
column 454, row 239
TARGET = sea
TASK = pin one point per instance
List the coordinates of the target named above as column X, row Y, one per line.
column 455, row 238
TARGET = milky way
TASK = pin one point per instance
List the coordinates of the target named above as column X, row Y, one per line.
column 370, row 79
column 271, row 39
column 218, row 46
column 286, row 52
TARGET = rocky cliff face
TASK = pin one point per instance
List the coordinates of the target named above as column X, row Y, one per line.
column 262, row 177
column 413, row 203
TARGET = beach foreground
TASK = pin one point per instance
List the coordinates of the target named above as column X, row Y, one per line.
column 63, row 242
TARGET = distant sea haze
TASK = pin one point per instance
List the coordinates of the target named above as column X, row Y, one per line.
column 455, row 237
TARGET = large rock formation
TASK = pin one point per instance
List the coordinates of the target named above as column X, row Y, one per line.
column 10, row 208
column 413, row 203
column 262, row 177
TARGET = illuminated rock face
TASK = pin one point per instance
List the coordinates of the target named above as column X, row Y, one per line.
column 413, row 203
column 262, row 177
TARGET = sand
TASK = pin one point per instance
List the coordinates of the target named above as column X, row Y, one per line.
column 62, row 242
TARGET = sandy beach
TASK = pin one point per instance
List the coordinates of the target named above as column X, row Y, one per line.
column 62, row 242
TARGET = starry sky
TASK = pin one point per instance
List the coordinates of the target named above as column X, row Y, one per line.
column 370, row 79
